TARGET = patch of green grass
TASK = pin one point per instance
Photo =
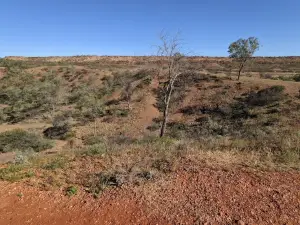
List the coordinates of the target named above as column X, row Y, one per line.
column 58, row 162
column 15, row 172
column 72, row 190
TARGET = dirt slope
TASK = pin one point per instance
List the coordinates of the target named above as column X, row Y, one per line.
column 195, row 195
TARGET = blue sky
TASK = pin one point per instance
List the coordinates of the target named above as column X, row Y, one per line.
column 131, row 27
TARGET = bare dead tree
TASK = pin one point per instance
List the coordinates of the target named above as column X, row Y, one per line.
column 169, row 55
column 127, row 93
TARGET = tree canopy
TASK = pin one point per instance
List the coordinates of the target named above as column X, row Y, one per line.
column 243, row 48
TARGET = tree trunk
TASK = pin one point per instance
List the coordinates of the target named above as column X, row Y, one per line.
column 128, row 99
column 240, row 70
column 241, row 67
column 95, row 127
column 166, row 111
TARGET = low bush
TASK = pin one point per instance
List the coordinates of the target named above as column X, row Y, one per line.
column 141, row 74
column 119, row 112
column 296, row 78
column 285, row 78
column 266, row 76
column 192, row 110
column 96, row 149
column 92, row 140
column 88, row 102
column 27, row 96
column 72, row 190
column 97, row 183
column 290, row 78
column 58, row 162
column 163, row 165
column 121, row 139
column 23, row 157
column 22, row 140
column 266, row 96
column 58, row 132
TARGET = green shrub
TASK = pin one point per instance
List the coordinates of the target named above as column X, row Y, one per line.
column 290, row 78
column 296, row 78
column 88, row 102
column 72, row 190
column 3, row 116
column 26, row 95
column 266, row 96
column 119, row 112
column 21, row 140
column 141, row 74
column 285, row 78
column 24, row 157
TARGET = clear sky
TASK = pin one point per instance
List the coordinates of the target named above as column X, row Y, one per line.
column 131, row 27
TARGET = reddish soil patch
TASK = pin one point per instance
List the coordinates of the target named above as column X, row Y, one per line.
column 41, row 207
column 150, row 111
column 291, row 87
column 193, row 195
column 216, row 196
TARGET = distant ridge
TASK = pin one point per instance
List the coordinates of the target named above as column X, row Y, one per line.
column 90, row 58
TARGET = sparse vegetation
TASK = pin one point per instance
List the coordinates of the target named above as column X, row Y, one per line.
column 265, row 96
column 27, row 96
column 295, row 78
column 95, row 149
column 58, row 162
column 15, row 173
column 102, row 120
column 20, row 140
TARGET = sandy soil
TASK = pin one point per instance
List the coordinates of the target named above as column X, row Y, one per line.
column 23, row 126
column 193, row 195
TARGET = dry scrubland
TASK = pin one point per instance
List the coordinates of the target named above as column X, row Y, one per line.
column 79, row 137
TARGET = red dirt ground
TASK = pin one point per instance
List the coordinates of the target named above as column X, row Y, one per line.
column 192, row 195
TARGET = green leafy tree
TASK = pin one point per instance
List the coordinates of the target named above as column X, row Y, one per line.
column 242, row 50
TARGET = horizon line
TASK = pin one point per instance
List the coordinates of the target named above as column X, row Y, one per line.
column 189, row 56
